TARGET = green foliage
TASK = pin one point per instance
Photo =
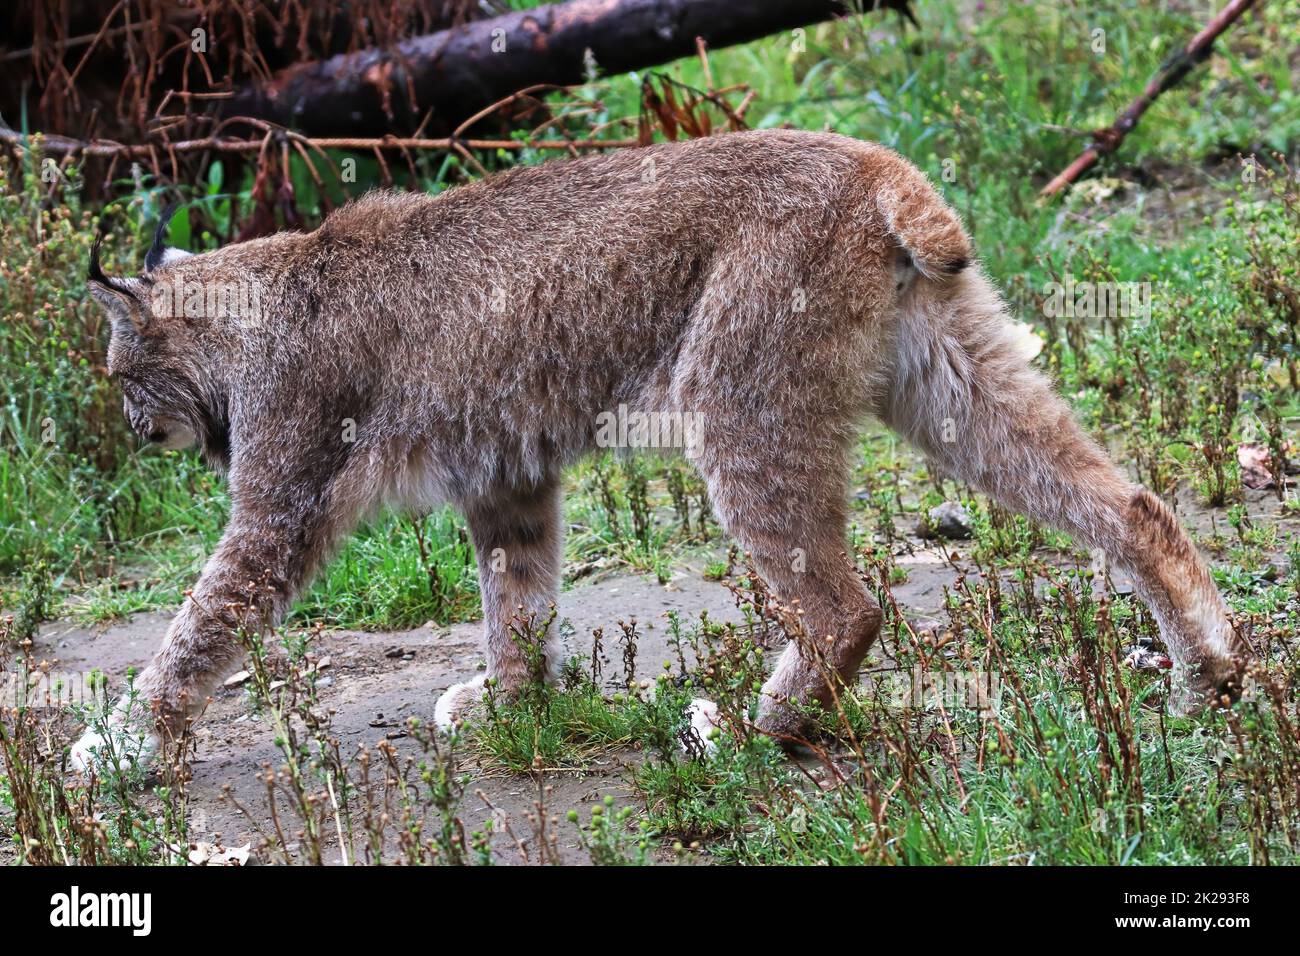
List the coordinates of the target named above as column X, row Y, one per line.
column 1076, row 762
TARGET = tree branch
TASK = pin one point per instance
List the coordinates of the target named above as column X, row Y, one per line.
column 452, row 74
column 1170, row 74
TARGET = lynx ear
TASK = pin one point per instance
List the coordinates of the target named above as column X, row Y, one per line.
column 159, row 254
column 119, row 297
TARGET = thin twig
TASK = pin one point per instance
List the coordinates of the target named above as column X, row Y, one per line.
column 53, row 145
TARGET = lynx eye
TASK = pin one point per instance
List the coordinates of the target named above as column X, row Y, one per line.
column 131, row 389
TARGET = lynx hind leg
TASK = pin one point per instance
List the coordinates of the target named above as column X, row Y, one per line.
column 787, row 510
column 517, row 541
column 963, row 392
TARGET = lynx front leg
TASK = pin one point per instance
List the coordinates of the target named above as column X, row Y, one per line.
column 247, row 585
column 517, row 539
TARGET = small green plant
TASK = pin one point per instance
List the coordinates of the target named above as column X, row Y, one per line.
column 606, row 839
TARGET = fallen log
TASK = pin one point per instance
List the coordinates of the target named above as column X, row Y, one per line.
column 84, row 68
column 431, row 83
column 1108, row 140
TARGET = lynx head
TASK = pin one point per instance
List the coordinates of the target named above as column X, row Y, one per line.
column 152, row 354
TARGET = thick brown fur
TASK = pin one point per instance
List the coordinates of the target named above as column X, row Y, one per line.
column 779, row 286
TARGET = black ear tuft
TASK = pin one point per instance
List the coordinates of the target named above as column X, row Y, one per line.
column 116, row 295
column 154, row 257
column 95, row 273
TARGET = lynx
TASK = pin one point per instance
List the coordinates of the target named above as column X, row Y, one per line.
column 777, row 287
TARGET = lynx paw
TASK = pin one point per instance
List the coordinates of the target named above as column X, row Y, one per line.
column 456, row 701
column 704, row 722
column 1215, row 684
column 96, row 752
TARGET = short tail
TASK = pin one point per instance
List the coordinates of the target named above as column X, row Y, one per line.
column 917, row 217
column 963, row 392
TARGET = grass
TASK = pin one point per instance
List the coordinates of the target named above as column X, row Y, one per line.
column 1078, row 762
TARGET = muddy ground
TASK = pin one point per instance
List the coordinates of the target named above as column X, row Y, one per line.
column 376, row 680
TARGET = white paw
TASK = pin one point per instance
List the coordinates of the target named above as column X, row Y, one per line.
column 455, row 701
column 704, row 721
column 96, row 752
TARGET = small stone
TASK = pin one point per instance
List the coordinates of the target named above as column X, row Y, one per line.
column 949, row 520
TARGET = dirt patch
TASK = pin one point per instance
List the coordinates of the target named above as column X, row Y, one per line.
column 377, row 680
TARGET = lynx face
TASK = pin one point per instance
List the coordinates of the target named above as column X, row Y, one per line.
column 164, row 399
column 151, row 420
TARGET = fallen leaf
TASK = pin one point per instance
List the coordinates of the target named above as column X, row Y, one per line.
column 1256, row 466
column 214, row 854
column 201, row 853
column 1141, row 659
